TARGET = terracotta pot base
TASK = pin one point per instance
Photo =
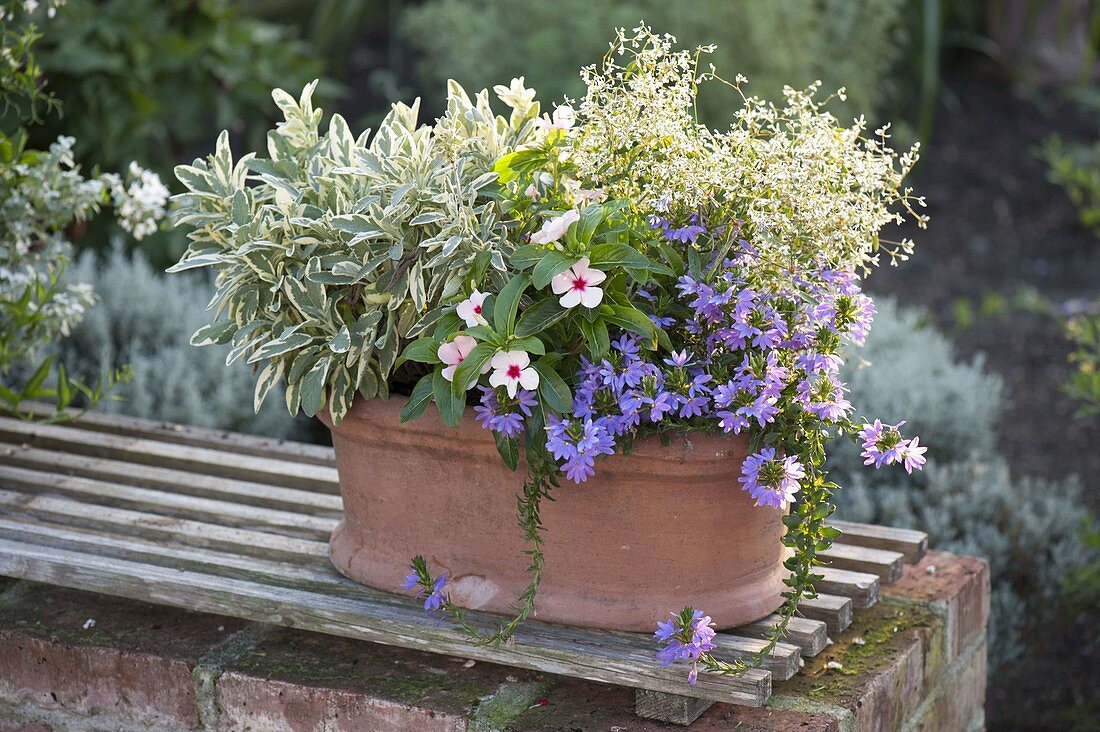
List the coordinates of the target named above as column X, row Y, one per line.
column 663, row 527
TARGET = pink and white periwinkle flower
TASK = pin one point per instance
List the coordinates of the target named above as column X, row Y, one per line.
column 454, row 353
column 555, row 228
column 470, row 309
column 577, row 285
column 512, row 370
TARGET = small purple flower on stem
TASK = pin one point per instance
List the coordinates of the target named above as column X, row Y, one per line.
column 687, row 636
column 432, row 591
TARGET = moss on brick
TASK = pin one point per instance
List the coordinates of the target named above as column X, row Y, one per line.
column 59, row 615
column 400, row 675
column 876, row 639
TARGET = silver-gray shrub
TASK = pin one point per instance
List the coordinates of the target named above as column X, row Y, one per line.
column 145, row 319
column 966, row 498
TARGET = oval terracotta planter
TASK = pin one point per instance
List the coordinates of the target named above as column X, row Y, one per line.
column 663, row 527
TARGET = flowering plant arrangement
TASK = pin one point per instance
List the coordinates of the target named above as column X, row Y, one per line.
column 582, row 278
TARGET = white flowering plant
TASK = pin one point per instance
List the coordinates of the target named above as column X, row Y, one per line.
column 584, row 277
column 42, row 195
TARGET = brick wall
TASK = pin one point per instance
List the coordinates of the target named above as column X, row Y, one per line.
column 77, row 661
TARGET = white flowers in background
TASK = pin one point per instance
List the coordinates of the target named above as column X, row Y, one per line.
column 811, row 189
column 470, row 309
column 555, row 228
column 140, row 205
column 454, row 353
column 512, row 369
column 577, row 285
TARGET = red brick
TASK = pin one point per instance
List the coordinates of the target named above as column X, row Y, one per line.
column 134, row 664
column 958, row 586
column 891, row 694
column 960, row 700
column 295, row 680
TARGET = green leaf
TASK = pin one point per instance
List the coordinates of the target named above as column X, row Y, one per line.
column 507, row 303
column 313, row 387
column 341, row 342
column 603, row 256
column 508, row 448
column 527, row 255
column 553, row 389
column 470, row 368
column 631, row 319
column 450, row 405
column 267, row 379
column 552, row 264
column 202, row 260
column 530, row 344
column 539, row 317
column 30, row 389
column 422, row 350
column 280, row 346
column 419, row 399
column 596, row 337
column 214, row 333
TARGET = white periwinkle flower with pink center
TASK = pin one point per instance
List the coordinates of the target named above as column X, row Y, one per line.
column 577, row 285
column 454, row 353
column 555, row 228
column 470, row 309
column 512, row 369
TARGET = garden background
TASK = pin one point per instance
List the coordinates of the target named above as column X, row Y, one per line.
column 988, row 340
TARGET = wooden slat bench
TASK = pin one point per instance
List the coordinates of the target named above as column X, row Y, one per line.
column 238, row 525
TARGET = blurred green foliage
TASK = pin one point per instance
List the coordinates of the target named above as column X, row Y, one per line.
column 1084, row 385
column 1076, row 168
column 147, row 81
column 856, row 44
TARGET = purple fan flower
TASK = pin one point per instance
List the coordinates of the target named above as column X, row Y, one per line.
column 685, row 641
column 575, row 445
column 500, row 418
column 771, row 481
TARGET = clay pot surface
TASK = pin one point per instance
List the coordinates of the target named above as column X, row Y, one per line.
column 663, row 527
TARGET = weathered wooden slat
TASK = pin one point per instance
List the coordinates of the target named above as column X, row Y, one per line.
column 180, row 457
column 784, row 660
column 810, row 636
column 614, row 658
column 834, row 611
column 882, row 562
column 912, row 544
column 151, row 526
column 166, row 503
column 179, row 481
column 181, row 434
column 672, row 708
column 317, row 576
column 861, row 587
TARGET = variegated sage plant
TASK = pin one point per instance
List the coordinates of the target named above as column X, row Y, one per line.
column 590, row 277
column 336, row 249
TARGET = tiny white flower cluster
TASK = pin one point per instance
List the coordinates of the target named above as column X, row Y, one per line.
column 31, row 6
column 807, row 188
column 140, row 205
